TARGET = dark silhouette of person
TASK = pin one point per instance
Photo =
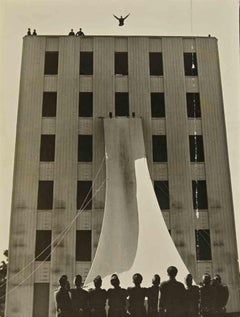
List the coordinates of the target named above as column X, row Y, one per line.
column 117, row 298
column 153, row 296
column 121, row 19
column 136, row 297
column 29, row 31
column 97, row 299
column 172, row 295
column 71, row 33
column 192, row 297
column 222, row 295
column 80, row 33
column 79, row 299
column 34, row 32
column 207, row 297
column 62, row 298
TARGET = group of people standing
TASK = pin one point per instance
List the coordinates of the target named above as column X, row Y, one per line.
column 167, row 299
column 79, row 33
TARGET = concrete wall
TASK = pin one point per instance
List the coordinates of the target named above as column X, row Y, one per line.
column 65, row 171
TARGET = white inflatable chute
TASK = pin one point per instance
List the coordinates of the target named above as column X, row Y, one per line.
column 134, row 237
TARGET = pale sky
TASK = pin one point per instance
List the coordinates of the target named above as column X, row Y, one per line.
column 154, row 17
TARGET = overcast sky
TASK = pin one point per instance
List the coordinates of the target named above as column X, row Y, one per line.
column 154, row 17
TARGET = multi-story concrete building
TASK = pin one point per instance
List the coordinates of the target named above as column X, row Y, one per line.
column 68, row 84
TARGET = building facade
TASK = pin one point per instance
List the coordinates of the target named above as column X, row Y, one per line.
column 68, row 84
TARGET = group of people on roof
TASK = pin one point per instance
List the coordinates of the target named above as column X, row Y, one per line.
column 31, row 33
column 79, row 33
column 167, row 299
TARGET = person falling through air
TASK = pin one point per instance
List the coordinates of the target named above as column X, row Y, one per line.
column 121, row 19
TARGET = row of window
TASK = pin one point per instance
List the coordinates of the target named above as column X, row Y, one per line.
column 83, row 250
column 85, row 108
column 84, row 195
column 121, row 63
column 45, row 195
column 85, row 148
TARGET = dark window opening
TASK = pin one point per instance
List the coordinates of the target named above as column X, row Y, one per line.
column 40, row 299
column 190, row 64
column 43, row 245
column 45, row 195
column 86, row 63
column 199, row 194
column 203, row 245
column 47, row 148
column 83, row 245
column 121, row 104
column 157, row 105
column 85, row 148
column 51, row 63
column 193, row 105
column 156, row 64
column 121, row 63
column 159, row 145
column 196, row 148
column 49, row 104
column 162, row 193
column 85, row 104
column 84, row 195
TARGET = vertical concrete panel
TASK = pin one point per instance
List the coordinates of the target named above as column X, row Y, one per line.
column 65, row 178
column 221, row 218
column 25, row 184
column 139, row 88
column 103, row 103
column 181, row 213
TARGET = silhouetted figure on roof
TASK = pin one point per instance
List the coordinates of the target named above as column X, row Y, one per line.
column 172, row 295
column 222, row 295
column 136, row 297
column 62, row 298
column 29, row 31
column 79, row 299
column 207, row 296
column 192, row 297
column 117, row 297
column 71, row 33
column 97, row 299
column 153, row 296
column 121, row 19
column 34, row 32
column 80, row 33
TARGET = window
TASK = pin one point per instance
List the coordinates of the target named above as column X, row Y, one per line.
column 85, row 104
column 40, row 299
column 121, row 104
column 199, row 194
column 45, row 195
column 156, row 64
column 190, row 64
column 86, row 63
column 193, row 105
column 84, row 195
column 159, row 148
column 203, row 245
column 49, row 104
column 51, row 63
column 162, row 193
column 43, row 245
column 85, row 148
column 196, row 148
column 157, row 105
column 83, row 245
column 47, row 148
column 121, row 63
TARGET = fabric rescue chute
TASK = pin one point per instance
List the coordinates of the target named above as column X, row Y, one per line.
column 134, row 237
